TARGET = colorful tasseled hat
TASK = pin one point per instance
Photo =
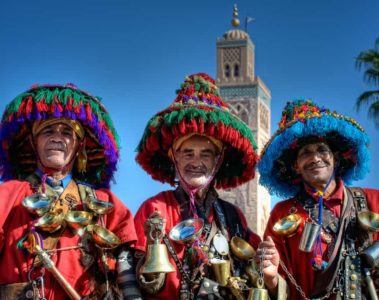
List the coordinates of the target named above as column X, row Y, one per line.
column 41, row 102
column 199, row 109
column 302, row 121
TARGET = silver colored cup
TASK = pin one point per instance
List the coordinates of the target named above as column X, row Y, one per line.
column 309, row 236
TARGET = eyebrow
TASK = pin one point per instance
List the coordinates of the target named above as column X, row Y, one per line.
column 187, row 150
column 318, row 146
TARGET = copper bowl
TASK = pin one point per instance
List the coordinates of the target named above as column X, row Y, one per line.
column 50, row 222
column 103, row 237
column 288, row 225
column 369, row 220
column 99, row 207
column 241, row 249
column 78, row 219
column 37, row 204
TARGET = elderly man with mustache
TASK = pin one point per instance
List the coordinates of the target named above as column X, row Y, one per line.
column 326, row 233
column 198, row 145
column 63, row 234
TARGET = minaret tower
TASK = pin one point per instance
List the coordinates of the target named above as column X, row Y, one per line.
column 250, row 99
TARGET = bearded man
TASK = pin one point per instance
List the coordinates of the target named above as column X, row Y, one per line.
column 198, row 145
column 63, row 234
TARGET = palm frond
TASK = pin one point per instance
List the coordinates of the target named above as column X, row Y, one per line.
column 368, row 58
column 373, row 112
column 372, row 76
column 366, row 98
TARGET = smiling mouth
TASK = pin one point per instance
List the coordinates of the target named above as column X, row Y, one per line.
column 312, row 168
column 195, row 173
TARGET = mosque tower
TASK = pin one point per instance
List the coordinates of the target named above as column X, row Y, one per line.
column 250, row 99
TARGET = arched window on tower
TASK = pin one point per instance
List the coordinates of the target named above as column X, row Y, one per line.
column 227, row 71
column 236, row 70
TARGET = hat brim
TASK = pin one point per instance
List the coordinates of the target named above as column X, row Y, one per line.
column 271, row 176
column 240, row 157
column 17, row 157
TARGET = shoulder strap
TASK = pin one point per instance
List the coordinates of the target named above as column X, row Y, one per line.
column 232, row 219
column 360, row 203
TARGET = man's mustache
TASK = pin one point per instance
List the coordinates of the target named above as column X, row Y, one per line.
column 56, row 146
column 316, row 165
column 196, row 168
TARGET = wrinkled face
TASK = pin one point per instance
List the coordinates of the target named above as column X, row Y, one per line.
column 315, row 163
column 196, row 159
column 56, row 146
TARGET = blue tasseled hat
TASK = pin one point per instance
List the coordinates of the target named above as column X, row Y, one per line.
column 300, row 120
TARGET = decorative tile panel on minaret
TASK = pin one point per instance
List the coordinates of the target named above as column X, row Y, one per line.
column 250, row 99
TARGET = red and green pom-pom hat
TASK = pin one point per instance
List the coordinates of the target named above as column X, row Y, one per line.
column 303, row 121
column 198, row 109
column 41, row 102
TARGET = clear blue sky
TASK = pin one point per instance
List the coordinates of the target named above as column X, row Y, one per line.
column 135, row 54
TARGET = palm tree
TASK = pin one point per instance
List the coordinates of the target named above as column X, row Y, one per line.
column 369, row 59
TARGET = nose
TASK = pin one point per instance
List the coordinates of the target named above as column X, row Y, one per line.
column 316, row 156
column 196, row 161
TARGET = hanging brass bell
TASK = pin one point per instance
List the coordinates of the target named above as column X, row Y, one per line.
column 258, row 293
column 157, row 260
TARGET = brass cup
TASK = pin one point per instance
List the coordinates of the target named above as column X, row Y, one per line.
column 99, row 207
column 186, row 231
column 78, row 219
column 241, row 249
column 37, row 204
column 369, row 220
column 221, row 270
column 288, row 225
column 103, row 237
column 50, row 222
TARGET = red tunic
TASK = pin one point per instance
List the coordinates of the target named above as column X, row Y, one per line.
column 297, row 262
column 14, row 221
column 168, row 206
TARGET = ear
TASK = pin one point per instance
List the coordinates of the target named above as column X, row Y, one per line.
column 295, row 167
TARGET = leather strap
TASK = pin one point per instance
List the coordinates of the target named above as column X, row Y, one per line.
column 325, row 280
column 69, row 198
column 176, row 259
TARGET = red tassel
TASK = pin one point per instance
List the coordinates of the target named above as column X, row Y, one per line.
column 211, row 129
column 221, row 130
column 29, row 105
column 182, row 127
column 21, row 108
column 152, row 143
column 201, row 127
column 69, row 103
column 88, row 112
column 77, row 108
column 192, row 126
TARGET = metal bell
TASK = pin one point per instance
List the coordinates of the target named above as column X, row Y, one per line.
column 157, row 260
column 258, row 293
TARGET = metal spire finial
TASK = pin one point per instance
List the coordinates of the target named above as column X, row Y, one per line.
column 235, row 20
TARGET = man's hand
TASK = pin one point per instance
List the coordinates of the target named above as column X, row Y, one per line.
column 154, row 227
column 270, row 262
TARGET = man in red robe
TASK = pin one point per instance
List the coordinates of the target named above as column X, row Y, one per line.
column 199, row 145
column 325, row 232
column 58, row 153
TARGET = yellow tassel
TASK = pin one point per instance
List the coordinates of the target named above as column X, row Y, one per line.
column 82, row 160
column 320, row 193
